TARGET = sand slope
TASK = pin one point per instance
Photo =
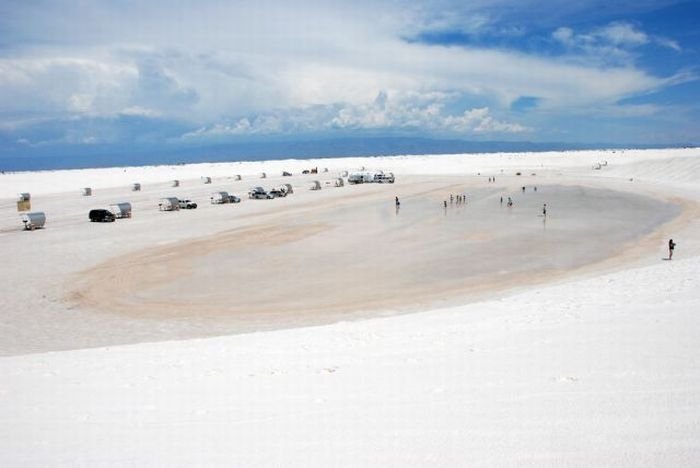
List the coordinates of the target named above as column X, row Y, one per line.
column 595, row 370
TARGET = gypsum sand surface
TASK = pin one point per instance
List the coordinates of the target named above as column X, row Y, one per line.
column 359, row 258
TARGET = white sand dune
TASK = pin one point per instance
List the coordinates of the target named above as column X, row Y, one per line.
column 583, row 354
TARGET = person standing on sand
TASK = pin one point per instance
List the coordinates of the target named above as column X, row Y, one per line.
column 501, row 200
column 445, row 203
column 544, row 210
column 671, row 246
column 397, row 201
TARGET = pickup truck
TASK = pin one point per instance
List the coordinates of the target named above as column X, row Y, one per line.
column 187, row 204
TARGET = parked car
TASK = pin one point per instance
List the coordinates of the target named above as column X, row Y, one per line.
column 101, row 216
column 259, row 192
column 187, row 205
column 278, row 192
column 233, row 199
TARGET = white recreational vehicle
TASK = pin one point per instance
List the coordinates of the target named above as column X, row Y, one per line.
column 366, row 177
column 121, row 210
column 361, row 177
column 33, row 220
column 169, row 204
column 219, row 198
column 384, row 177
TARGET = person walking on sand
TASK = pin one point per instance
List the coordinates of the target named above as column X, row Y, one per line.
column 544, row 210
column 397, row 201
column 501, row 201
column 510, row 202
column 444, row 203
column 671, row 246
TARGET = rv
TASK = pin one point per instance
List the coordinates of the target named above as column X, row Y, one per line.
column 169, row 204
column 34, row 220
column 121, row 210
column 219, row 198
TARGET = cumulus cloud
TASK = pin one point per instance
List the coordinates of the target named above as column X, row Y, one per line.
column 409, row 111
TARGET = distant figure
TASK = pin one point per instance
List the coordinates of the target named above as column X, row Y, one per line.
column 535, row 188
column 523, row 189
column 451, row 199
column 510, row 202
column 544, row 210
column 397, row 201
column 445, row 203
column 501, row 200
column 671, row 246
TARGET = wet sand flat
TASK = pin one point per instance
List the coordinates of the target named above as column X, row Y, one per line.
column 357, row 257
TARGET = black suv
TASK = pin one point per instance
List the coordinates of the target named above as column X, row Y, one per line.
column 101, row 216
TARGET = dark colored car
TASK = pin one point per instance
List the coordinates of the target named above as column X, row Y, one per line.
column 101, row 216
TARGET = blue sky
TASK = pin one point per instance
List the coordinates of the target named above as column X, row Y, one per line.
column 126, row 74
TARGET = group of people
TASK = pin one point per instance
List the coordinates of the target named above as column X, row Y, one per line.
column 492, row 179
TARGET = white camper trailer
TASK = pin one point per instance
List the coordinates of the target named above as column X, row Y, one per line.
column 384, row 177
column 33, row 220
column 136, row 187
column 24, row 196
column 206, row 180
column 87, row 191
column 288, row 188
column 169, row 204
column 263, row 175
column 344, row 174
column 175, row 183
column 339, row 182
column 361, row 177
column 219, row 198
column 121, row 210
column 315, row 185
column 237, row 177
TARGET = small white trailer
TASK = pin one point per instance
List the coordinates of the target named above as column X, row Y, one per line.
column 121, row 210
column 339, row 182
column 86, row 191
column 263, row 175
column 136, row 187
column 175, row 183
column 237, row 177
column 206, row 180
column 219, row 198
column 33, row 220
column 24, row 196
column 361, row 177
column 315, row 185
column 169, row 204
column 343, row 173
column 288, row 188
